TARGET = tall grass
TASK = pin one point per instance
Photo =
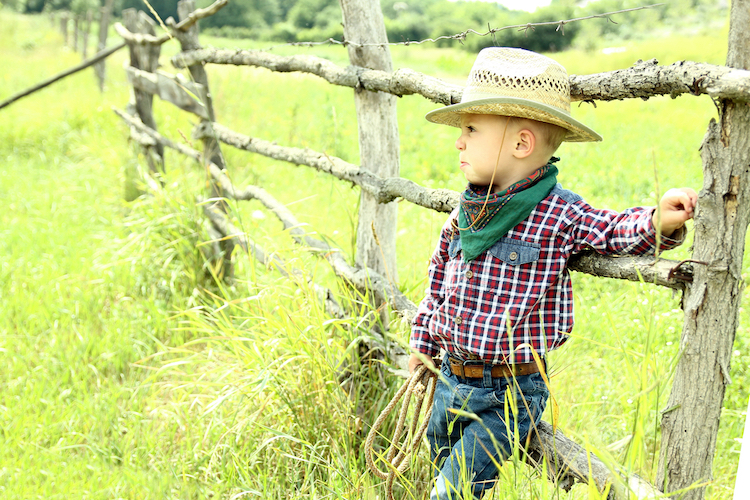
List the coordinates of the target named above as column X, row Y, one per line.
column 129, row 373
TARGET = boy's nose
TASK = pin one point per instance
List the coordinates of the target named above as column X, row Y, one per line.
column 460, row 143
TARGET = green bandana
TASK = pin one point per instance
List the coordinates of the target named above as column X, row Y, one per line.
column 478, row 225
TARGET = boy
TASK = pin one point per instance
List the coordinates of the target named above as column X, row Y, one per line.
column 499, row 290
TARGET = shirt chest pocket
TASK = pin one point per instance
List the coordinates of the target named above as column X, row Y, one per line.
column 515, row 252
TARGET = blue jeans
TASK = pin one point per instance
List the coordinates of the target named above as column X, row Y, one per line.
column 468, row 447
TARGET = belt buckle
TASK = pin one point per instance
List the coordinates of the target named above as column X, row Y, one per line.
column 472, row 362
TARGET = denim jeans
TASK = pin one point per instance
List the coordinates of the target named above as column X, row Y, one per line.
column 469, row 446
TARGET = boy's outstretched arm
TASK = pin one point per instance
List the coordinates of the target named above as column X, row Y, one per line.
column 675, row 207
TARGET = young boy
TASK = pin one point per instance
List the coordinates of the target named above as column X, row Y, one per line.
column 498, row 286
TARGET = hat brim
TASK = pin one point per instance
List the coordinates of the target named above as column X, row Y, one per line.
column 518, row 107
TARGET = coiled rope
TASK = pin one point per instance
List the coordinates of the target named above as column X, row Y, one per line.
column 421, row 384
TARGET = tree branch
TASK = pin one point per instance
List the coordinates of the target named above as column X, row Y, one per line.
column 195, row 16
column 647, row 79
column 385, row 190
column 642, row 80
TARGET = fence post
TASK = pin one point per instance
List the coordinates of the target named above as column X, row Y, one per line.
column 211, row 150
column 76, row 27
column 64, row 27
column 690, row 422
column 101, row 67
column 378, row 135
column 146, row 58
column 86, row 30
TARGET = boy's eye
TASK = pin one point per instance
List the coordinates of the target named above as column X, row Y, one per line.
column 470, row 128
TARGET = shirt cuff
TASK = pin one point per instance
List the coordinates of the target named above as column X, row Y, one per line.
column 675, row 240
column 666, row 242
column 421, row 342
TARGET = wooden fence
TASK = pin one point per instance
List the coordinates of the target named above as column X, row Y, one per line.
column 76, row 28
column 711, row 281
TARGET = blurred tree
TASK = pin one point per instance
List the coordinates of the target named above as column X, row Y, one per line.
column 245, row 13
column 314, row 13
column 164, row 8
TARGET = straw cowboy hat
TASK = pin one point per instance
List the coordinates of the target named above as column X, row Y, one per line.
column 516, row 82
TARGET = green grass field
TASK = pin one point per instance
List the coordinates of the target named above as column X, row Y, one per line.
column 126, row 373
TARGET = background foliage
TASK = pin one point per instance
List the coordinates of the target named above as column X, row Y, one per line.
column 305, row 20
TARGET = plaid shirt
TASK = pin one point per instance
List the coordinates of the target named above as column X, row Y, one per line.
column 518, row 294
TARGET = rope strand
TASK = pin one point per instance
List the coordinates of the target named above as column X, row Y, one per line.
column 421, row 384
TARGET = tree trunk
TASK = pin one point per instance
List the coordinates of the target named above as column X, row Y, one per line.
column 691, row 421
column 378, row 135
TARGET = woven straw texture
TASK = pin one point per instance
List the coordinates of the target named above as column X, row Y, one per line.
column 517, row 82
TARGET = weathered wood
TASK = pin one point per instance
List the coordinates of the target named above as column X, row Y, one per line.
column 570, row 463
column 76, row 22
column 188, row 38
column 691, row 421
column 100, row 68
column 64, row 27
column 146, row 58
column 176, row 28
column 647, row 79
column 378, row 137
column 385, row 190
column 642, row 80
column 86, row 30
column 402, row 82
column 662, row 272
column 175, row 89
column 75, row 69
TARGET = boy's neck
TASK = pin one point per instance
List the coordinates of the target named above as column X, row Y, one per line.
column 521, row 174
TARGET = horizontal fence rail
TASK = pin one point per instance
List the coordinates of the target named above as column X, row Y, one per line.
column 643, row 80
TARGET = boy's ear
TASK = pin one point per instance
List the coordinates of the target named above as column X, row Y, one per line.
column 525, row 143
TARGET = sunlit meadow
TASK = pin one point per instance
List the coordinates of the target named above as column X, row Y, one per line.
column 127, row 372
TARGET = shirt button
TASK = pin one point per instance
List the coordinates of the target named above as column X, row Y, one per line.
column 469, row 274
column 458, row 320
column 513, row 255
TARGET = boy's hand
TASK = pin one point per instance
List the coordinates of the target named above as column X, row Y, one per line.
column 416, row 359
column 676, row 207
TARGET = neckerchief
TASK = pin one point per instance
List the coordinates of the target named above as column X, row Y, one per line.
column 478, row 222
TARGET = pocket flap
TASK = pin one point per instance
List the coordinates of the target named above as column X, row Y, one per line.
column 515, row 252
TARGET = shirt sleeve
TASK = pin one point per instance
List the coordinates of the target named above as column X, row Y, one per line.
column 435, row 295
column 609, row 232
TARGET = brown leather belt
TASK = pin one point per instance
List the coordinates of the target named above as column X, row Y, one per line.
column 476, row 370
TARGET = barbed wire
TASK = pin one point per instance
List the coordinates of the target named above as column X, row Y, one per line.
column 462, row 36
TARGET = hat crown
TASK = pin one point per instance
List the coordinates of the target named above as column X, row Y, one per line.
column 518, row 73
column 516, row 82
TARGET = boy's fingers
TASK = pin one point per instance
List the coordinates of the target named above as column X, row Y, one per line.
column 680, row 199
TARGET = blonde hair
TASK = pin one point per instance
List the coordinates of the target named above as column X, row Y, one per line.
column 549, row 135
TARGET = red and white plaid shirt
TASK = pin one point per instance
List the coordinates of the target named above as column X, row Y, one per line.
column 518, row 294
